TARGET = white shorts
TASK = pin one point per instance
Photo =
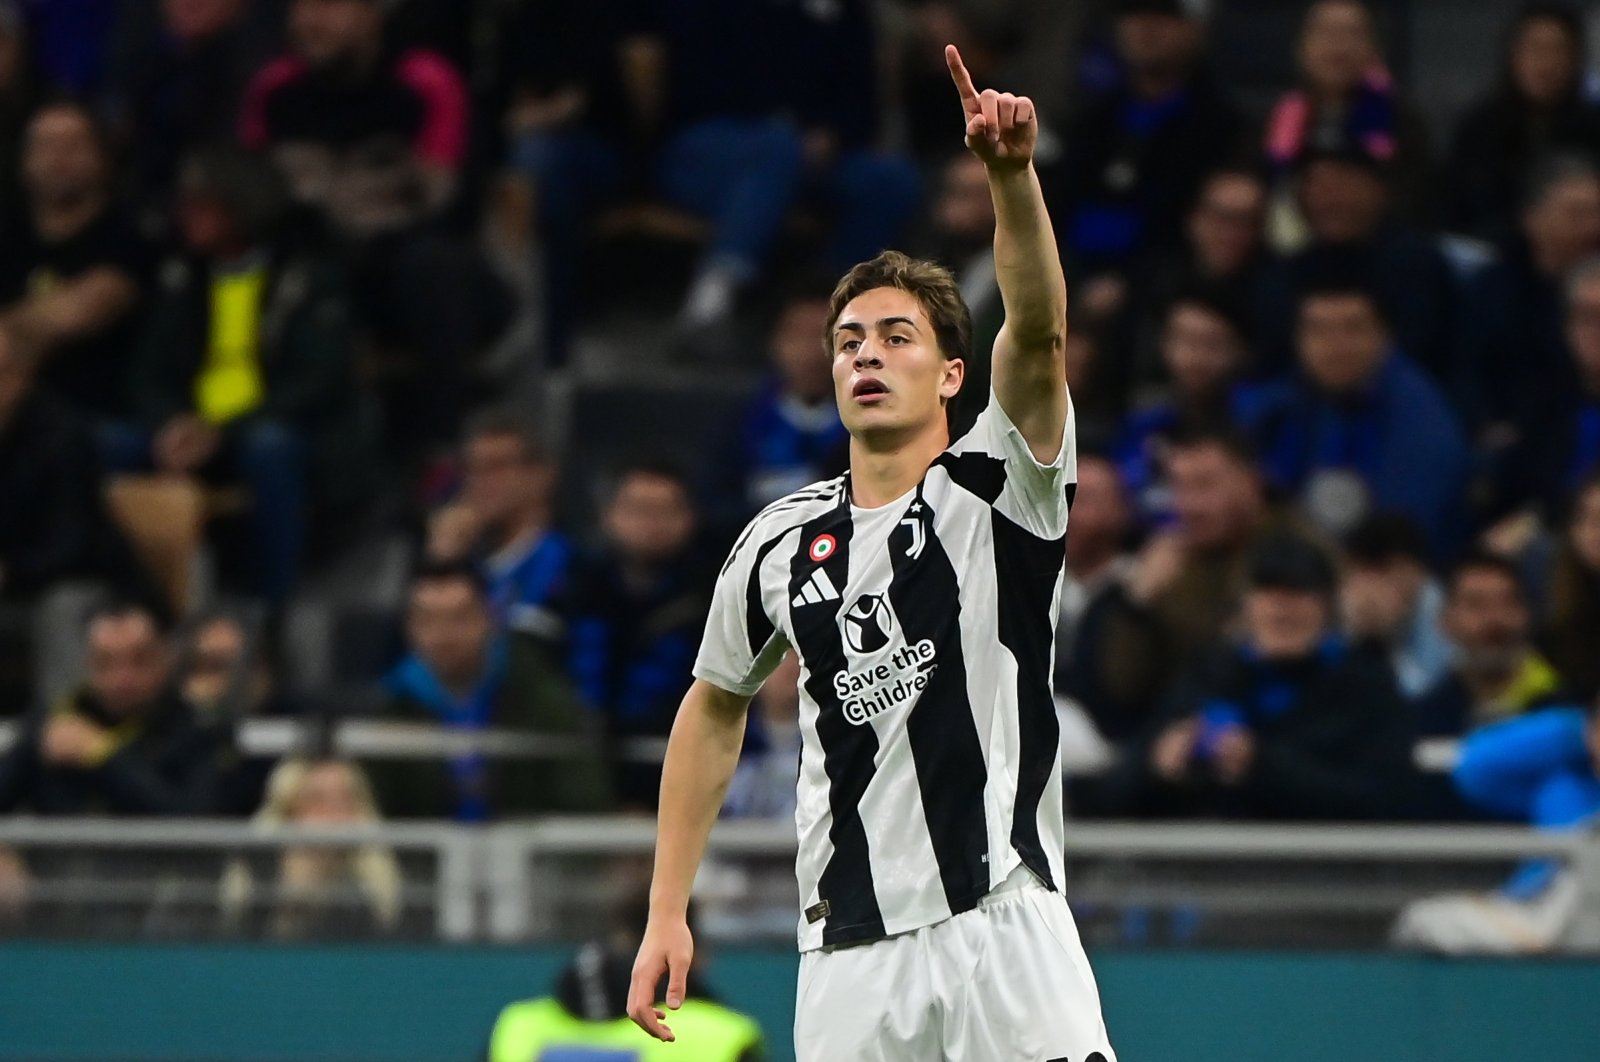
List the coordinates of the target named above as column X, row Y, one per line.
column 1005, row 982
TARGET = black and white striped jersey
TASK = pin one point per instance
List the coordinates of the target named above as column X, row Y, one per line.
column 925, row 629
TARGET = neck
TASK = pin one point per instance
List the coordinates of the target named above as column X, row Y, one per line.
column 879, row 476
column 65, row 217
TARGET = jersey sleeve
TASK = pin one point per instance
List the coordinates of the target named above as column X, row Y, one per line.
column 1031, row 494
column 742, row 644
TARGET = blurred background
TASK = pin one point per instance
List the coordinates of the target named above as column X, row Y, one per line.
column 383, row 381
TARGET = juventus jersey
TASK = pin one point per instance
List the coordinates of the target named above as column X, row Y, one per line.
column 929, row 766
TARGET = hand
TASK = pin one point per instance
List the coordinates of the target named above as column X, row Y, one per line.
column 1174, row 750
column 185, row 443
column 1158, row 566
column 72, row 741
column 1232, row 754
column 452, row 532
column 1513, row 534
column 1002, row 129
column 668, row 948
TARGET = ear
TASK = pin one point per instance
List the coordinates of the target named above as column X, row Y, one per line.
column 955, row 374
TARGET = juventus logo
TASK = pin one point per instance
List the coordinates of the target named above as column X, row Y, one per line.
column 919, row 533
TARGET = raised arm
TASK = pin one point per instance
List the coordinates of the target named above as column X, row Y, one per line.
column 1030, row 364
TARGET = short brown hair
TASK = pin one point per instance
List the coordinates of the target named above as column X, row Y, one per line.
column 933, row 286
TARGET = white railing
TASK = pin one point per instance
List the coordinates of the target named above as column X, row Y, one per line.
column 493, row 882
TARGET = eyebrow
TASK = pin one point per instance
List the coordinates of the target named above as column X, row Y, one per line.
column 883, row 322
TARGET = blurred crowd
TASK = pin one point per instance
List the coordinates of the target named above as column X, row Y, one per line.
column 282, row 279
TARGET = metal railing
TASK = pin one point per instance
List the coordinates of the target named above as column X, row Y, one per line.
column 561, row 877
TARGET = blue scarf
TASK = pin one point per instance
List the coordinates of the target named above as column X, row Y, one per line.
column 470, row 773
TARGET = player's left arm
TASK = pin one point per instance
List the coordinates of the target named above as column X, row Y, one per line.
column 1030, row 362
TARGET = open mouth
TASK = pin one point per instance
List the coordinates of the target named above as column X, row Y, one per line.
column 868, row 391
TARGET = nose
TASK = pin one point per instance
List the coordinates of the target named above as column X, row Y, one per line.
column 867, row 358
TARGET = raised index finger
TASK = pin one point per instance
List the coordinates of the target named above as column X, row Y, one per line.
column 963, row 80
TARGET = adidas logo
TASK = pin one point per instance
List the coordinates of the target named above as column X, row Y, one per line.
column 818, row 588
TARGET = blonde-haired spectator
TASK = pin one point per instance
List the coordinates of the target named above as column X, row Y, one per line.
column 317, row 890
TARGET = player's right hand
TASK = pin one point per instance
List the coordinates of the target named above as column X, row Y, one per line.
column 668, row 948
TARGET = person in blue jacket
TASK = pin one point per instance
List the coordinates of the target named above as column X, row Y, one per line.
column 1361, row 428
column 1542, row 769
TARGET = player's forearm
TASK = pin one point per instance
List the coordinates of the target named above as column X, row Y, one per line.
column 701, row 756
column 1027, row 263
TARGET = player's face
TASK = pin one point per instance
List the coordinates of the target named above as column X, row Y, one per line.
column 1201, row 351
column 1284, row 624
column 889, row 376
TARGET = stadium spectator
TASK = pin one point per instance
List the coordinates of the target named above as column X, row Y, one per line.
column 585, row 114
column 766, row 783
column 1571, row 632
column 1205, row 349
column 316, row 892
column 503, row 522
column 374, row 140
column 636, row 615
column 1182, row 590
column 243, row 371
column 1137, row 156
column 1344, row 194
column 803, row 123
column 961, row 237
column 1290, row 724
column 19, row 95
column 125, row 743
column 1097, row 550
column 465, row 676
column 1346, row 96
column 791, row 434
column 1516, row 342
column 1542, row 770
column 182, row 88
column 53, row 519
column 225, row 674
column 1028, row 44
column 1538, row 108
column 1221, row 252
column 1497, row 671
column 1361, row 428
column 72, row 266
column 1390, row 598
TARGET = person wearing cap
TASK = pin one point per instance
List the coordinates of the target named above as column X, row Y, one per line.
column 1290, row 722
column 586, row 1018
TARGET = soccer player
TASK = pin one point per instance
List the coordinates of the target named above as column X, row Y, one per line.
column 920, row 592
